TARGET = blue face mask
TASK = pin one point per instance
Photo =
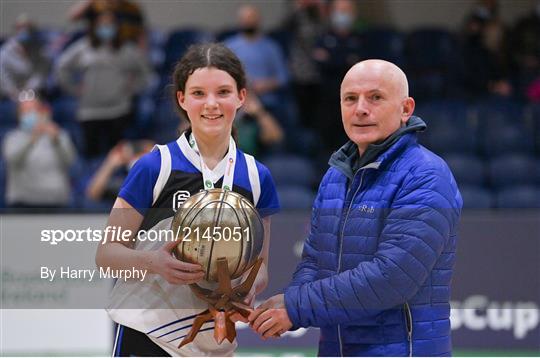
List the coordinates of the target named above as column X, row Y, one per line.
column 23, row 36
column 29, row 120
column 341, row 20
column 106, row 32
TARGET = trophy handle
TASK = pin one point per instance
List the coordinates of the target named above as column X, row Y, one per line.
column 244, row 288
column 203, row 293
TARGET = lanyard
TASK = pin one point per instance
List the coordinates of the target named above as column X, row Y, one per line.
column 228, row 174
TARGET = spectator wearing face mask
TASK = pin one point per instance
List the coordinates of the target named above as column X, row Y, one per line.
column 335, row 52
column 24, row 64
column 38, row 155
column 105, row 74
column 261, row 56
column 129, row 15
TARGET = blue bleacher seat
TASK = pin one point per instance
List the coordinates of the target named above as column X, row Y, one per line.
column 156, row 42
column 2, row 184
column 282, row 38
column 165, row 122
column 224, row 34
column 497, row 111
column 447, row 139
column 294, row 197
column 467, row 170
column 444, row 112
column 76, row 134
column 443, row 48
column 475, row 197
column 432, row 73
column 512, row 169
column 8, row 113
column 178, row 42
column 521, row 196
column 64, row 109
column 508, row 138
column 291, row 170
column 537, row 174
column 384, row 43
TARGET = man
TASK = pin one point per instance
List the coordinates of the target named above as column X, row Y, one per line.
column 376, row 268
column 263, row 60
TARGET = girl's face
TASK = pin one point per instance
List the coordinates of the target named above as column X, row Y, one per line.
column 211, row 99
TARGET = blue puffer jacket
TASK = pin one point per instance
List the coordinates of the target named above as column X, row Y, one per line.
column 377, row 265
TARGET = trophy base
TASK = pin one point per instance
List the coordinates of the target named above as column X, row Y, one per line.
column 223, row 302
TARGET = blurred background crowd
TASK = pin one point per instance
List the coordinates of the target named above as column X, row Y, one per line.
column 79, row 107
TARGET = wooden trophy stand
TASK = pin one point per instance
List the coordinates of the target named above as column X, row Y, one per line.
column 222, row 303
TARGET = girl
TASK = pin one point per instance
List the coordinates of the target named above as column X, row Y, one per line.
column 154, row 315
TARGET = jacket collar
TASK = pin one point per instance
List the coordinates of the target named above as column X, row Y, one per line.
column 347, row 159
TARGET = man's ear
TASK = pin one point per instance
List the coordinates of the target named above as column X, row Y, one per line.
column 242, row 94
column 180, row 97
column 407, row 109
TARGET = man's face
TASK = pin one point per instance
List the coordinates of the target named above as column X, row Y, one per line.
column 373, row 104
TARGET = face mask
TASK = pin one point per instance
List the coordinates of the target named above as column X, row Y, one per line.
column 106, row 32
column 249, row 30
column 23, row 36
column 341, row 21
column 29, row 120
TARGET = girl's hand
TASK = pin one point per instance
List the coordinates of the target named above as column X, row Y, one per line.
column 174, row 271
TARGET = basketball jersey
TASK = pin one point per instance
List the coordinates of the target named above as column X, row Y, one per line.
column 156, row 186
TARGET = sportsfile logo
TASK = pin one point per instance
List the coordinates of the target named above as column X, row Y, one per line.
column 179, row 198
column 478, row 313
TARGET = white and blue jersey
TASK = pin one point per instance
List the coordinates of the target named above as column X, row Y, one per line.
column 156, row 186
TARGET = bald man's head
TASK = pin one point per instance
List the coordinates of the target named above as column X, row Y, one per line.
column 386, row 70
column 248, row 16
column 375, row 101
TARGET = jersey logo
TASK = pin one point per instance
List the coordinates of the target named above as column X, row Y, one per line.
column 179, row 198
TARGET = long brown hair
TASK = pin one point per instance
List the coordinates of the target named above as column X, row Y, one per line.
column 214, row 55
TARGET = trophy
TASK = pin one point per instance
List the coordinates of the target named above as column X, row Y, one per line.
column 222, row 231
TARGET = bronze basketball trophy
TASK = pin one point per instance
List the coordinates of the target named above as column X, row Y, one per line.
column 222, row 231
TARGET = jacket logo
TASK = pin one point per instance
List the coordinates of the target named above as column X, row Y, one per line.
column 367, row 209
column 179, row 198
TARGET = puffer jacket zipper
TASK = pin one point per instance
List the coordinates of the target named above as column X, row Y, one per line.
column 341, row 242
column 409, row 326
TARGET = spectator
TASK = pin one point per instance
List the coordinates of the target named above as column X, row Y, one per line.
column 107, row 181
column 336, row 51
column 105, row 74
column 24, row 64
column 485, row 52
column 261, row 56
column 258, row 130
column 526, row 54
column 38, row 155
column 305, row 25
column 129, row 15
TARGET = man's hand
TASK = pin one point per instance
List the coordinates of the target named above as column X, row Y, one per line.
column 248, row 300
column 270, row 319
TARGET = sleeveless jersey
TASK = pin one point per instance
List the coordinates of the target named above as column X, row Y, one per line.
column 156, row 186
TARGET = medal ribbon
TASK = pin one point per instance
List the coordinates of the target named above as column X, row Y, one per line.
column 228, row 175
